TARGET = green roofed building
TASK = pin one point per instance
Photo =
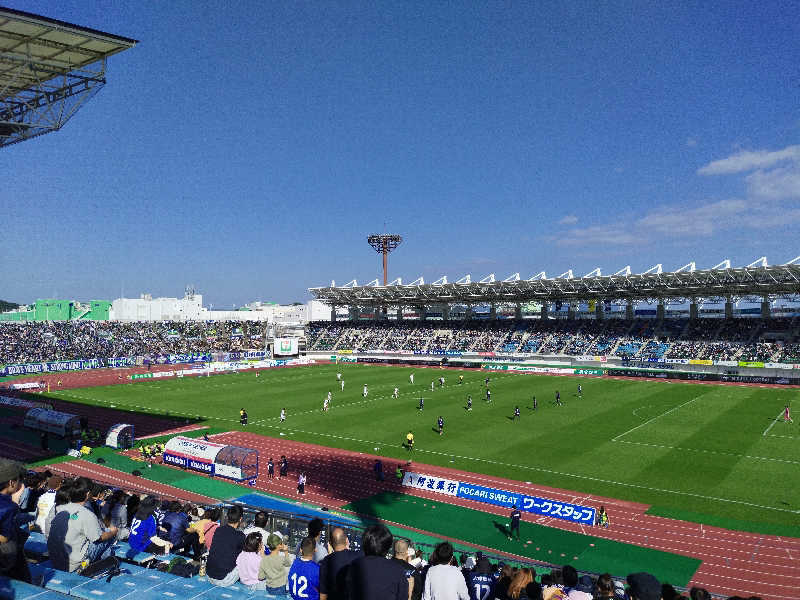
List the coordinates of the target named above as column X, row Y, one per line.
column 60, row 310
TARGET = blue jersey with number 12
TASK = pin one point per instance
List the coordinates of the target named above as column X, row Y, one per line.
column 480, row 586
column 304, row 580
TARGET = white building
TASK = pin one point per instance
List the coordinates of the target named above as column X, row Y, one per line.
column 190, row 308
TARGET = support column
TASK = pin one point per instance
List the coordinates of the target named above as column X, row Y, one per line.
column 660, row 311
column 399, row 312
column 468, row 314
column 354, row 313
column 766, row 312
column 423, row 312
column 693, row 310
column 728, row 309
column 446, row 312
column 518, row 312
column 545, row 310
column 333, row 313
column 599, row 311
column 493, row 312
column 629, row 311
column 571, row 311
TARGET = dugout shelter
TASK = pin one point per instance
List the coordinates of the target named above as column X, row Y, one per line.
column 222, row 460
column 62, row 424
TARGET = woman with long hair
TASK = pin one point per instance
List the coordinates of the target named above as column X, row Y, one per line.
column 115, row 512
column 516, row 589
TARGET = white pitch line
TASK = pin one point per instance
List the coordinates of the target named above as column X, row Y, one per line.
column 664, row 414
column 718, row 452
column 766, row 431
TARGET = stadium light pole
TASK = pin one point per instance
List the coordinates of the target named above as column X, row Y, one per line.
column 384, row 244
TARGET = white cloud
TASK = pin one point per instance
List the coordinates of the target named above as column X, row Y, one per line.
column 748, row 161
column 778, row 183
column 675, row 223
column 568, row 220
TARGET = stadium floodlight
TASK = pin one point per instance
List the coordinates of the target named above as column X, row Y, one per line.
column 383, row 244
column 50, row 69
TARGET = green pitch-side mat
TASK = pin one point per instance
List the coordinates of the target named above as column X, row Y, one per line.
column 554, row 545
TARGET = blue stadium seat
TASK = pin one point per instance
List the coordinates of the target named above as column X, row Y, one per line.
column 124, row 551
column 62, row 581
column 36, row 545
column 11, row 589
column 186, row 587
column 228, row 593
column 118, row 587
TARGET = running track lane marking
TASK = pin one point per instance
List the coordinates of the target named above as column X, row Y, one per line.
column 671, row 410
column 561, row 473
column 766, row 431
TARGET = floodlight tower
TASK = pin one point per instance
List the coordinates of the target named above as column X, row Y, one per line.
column 383, row 244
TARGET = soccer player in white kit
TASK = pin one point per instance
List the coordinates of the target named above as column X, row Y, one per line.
column 432, row 386
column 342, row 382
column 396, row 393
column 411, row 378
column 338, row 377
column 365, row 392
column 283, row 415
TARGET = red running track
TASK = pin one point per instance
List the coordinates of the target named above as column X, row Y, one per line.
column 734, row 563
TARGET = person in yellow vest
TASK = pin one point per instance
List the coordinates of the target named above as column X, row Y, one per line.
column 410, row 441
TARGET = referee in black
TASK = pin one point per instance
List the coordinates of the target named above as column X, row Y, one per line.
column 243, row 417
column 516, row 515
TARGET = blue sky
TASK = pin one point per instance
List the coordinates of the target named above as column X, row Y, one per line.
column 250, row 148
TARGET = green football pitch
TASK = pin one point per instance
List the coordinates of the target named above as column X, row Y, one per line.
column 712, row 453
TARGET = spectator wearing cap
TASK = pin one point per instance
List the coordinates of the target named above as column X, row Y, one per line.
column 228, row 543
column 444, row 580
column 333, row 568
column 75, row 535
column 643, row 586
column 373, row 577
column 274, row 568
column 12, row 538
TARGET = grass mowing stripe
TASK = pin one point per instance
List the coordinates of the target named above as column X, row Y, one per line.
column 547, row 544
column 724, row 523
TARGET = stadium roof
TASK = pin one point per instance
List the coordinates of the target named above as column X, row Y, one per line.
column 48, row 69
column 720, row 281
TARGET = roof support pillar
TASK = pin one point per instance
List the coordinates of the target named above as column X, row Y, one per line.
column 544, row 311
column 728, row 308
column 660, row 310
column 446, row 312
column 693, row 310
column 399, row 312
column 468, row 314
column 333, row 313
column 354, row 313
column 493, row 311
column 518, row 311
column 571, row 310
column 629, row 311
column 599, row 311
column 766, row 313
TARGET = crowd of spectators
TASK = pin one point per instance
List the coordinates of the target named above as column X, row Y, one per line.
column 39, row 341
column 714, row 339
column 83, row 521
